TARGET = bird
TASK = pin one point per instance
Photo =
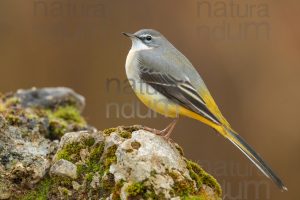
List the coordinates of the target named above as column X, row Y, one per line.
column 167, row 82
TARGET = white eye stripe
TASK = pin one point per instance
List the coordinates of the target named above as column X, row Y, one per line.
column 145, row 35
column 145, row 38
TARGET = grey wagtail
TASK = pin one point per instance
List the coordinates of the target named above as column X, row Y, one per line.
column 166, row 81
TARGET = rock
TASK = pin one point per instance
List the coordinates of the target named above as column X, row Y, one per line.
column 47, row 151
column 95, row 181
column 64, row 168
column 64, row 192
column 75, row 185
column 5, row 192
column 30, row 123
column 145, row 153
column 127, row 163
column 50, row 97
column 76, row 137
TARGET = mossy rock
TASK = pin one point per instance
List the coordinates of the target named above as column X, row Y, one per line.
column 52, row 121
column 36, row 119
column 116, row 163
column 109, row 165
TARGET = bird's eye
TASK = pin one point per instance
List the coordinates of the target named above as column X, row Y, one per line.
column 148, row 37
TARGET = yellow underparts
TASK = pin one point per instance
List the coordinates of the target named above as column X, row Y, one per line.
column 160, row 105
column 173, row 110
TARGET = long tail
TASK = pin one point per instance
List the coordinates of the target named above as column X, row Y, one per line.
column 240, row 143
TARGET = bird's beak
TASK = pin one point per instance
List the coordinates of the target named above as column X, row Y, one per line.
column 128, row 35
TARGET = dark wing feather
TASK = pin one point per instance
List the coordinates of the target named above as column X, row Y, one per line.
column 179, row 91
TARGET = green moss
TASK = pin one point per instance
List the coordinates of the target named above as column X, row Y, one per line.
column 107, row 184
column 89, row 177
column 61, row 118
column 140, row 191
column 40, row 192
column 185, row 188
column 179, row 149
column 46, row 187
column 182, row 187
column 150, row 194
column 196, row 176
column 57, row 128
column 96, row 152
column 97, row 162
column 2, row 107
column 89, row 142
column 14, row 120
column 135, row 145
column 65, row 192
column 201, row 197
column 62, row 181
column 153, row 173
column 81, row 168
column 109, row 181
column 117, row 190
column 130, row 128
column 109, row 161
column 12, row 101
column 125, row 134
column 93, row 164
column 202, row 177
column 14, row 114
column 110, row 156
column 31, row 116
column 136, row 189
column 71, row 151
column 109, row 131
column 69, row 114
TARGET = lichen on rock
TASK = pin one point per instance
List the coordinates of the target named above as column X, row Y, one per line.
column 31, row 121
column 47, row 151
column 140, row 165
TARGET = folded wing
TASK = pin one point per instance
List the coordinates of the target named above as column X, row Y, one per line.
column 179, row 91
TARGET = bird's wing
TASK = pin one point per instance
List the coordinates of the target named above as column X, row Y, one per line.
column 179, row 91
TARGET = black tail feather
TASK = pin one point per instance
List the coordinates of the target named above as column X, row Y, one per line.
column 239, row 142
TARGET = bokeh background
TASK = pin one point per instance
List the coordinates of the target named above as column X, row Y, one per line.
column 246, row 51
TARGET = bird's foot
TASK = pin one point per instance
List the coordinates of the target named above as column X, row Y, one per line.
column 165, row 133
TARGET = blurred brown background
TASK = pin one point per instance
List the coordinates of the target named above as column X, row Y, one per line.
column 246, row 51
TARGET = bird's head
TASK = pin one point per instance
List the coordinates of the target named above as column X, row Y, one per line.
column 146, row 39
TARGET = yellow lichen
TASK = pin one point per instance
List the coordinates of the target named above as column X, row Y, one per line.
column 109, row 131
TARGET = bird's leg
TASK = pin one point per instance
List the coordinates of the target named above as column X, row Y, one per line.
column 152, row 130
column 165, row 132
